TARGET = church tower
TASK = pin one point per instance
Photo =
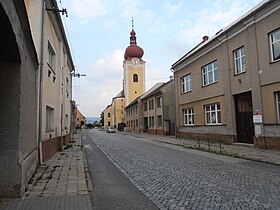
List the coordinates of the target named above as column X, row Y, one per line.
column 133, row 70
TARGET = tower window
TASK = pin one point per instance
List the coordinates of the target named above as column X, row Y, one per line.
column 135, row 78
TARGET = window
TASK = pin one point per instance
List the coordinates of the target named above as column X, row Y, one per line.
column 109, row 115
column 278, row 105
column 213, row 114
column 66, row 121
column 151, row 104
column 135, row 78
column 151, row 122
column 188, row 116
column 159, row 102
column 159, row 120
column 210, row 73
column 51, row 58
column 49, row 119
column 145, row 106
column 239, row 60
column 275, row 45
column 186, row 83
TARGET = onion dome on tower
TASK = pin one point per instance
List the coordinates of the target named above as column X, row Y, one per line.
column 133, row 51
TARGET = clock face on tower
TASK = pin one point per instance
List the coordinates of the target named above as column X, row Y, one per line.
column 135, row 61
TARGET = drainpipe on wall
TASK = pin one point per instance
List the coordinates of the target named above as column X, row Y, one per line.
column 41, row 71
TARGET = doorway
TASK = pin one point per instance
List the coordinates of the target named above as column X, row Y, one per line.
column 244, row 117
column 145, row 129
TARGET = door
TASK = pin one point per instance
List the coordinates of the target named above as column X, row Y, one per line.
column 244, row 118
column 145, row 129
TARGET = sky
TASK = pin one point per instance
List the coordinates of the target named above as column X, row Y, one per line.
column 98, row 33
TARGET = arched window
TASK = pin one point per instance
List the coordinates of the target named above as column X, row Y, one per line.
column 109, row 123
column 109, row 114
column 135, row 78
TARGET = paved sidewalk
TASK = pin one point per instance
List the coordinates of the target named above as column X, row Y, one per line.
column 245, row 151
column 59, row 183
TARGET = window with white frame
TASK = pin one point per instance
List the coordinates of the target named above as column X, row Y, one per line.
column 275, row 45
column 186, row 83
column 210, row 73
column 239, row 60
column 278, row 105
column 51, row 58
column 188, row 116
column 213, row 114
column 49, row 118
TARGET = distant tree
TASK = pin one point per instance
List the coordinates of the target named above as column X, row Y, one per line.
column 102, row 118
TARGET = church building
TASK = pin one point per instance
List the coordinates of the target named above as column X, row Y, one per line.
column 133, row 83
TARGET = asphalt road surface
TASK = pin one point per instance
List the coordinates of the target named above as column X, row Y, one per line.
column 140, row 173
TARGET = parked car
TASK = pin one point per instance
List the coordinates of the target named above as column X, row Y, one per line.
column 110, row 129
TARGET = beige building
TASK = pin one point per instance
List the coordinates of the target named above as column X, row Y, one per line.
column 54, row 81
column 80, row 119
column 108, row 116
column 228, row 87
column 114, row 113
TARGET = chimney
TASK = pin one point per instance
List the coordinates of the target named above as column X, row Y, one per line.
column 205, row 38
column 171, row 77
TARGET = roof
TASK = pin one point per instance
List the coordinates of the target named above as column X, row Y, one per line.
column 119, row 95
column 222, row 31
column 153, row 90
column 133, row 102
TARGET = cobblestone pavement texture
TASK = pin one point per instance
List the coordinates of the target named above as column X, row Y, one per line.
column 179, row 178
column 112, row 189
column 59, row 183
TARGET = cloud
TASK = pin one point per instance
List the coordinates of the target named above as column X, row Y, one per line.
column 88, row 9
column 171, row 8
column 95, row 91
column 214, row 16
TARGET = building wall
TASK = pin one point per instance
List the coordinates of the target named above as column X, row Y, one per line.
column 132, row 90
column 118, row 111
column 18, row 137
column 132, row 117
column 169, row 108
column 108, row 116
column 79, row 117
column 56, row 73
column 154, row 126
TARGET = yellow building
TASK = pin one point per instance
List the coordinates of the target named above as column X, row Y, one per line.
column 108, row 116
column 133, row 83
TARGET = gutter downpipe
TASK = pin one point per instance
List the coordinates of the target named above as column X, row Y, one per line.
column 41, row 71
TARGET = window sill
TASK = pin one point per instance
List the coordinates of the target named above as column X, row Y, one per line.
column 240, row 73
column 276, row 61
column 182, row 93
column 210, row 84
column 213, row 124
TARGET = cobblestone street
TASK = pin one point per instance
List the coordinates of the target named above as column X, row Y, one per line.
column 178, row 178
